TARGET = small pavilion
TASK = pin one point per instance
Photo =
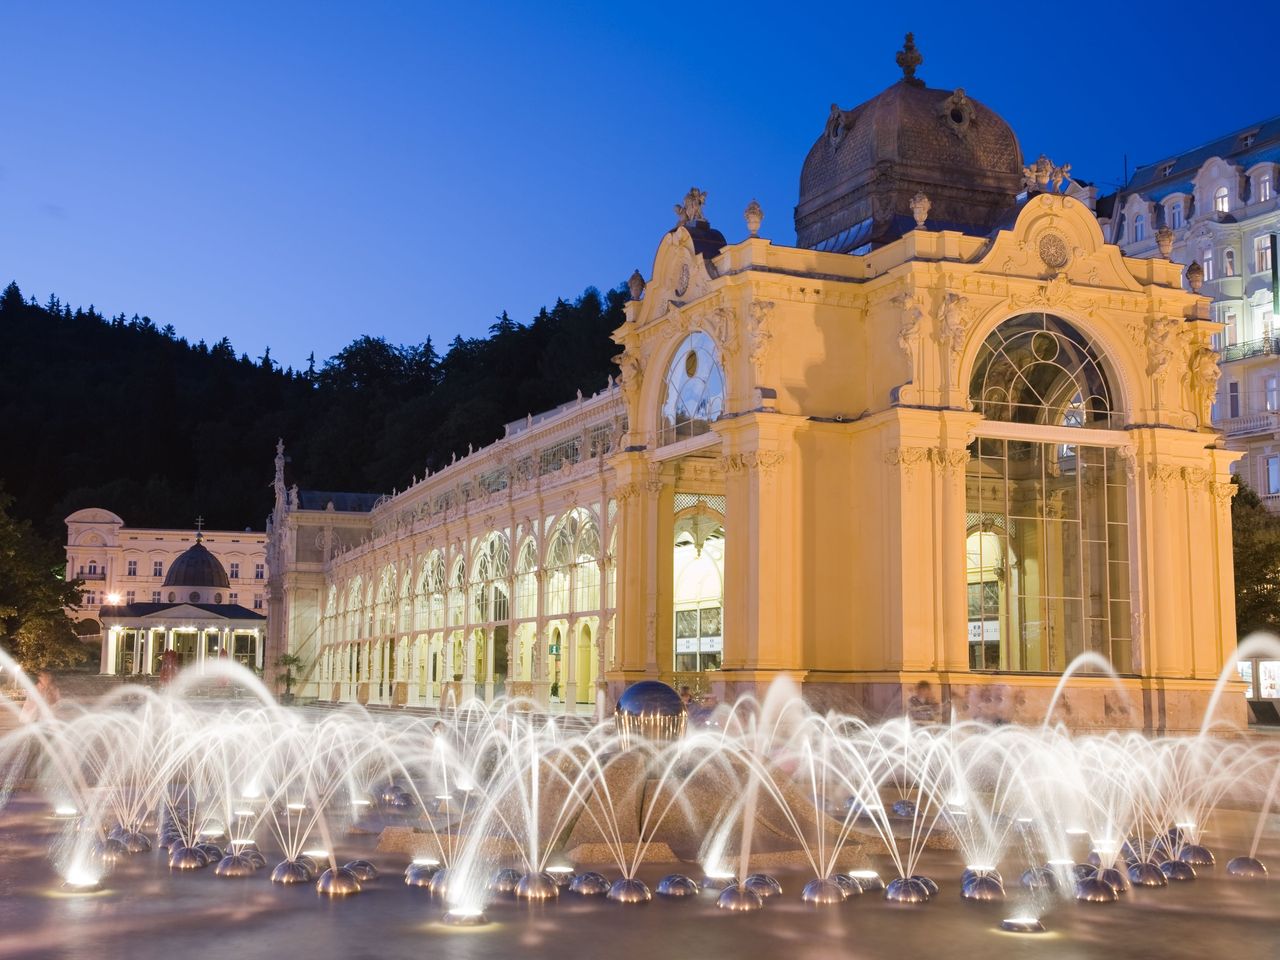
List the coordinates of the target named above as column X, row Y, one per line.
column 194, row 621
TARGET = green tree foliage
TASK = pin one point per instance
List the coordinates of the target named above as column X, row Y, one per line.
column 34, row 627
column 1255, row 533
column 121, row 413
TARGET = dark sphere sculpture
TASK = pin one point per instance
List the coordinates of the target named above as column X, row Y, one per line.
column 739, row 899
column 1196, row 855
column 589, row 884
column 234, row 865
column 982, row 886
column 504, row 881
column 1246, row 868
column 823, row 891
column 291, row 871
column 764, row 886
column 629, row 890
column 906, row 890
column 338, row 882
column 535, row 886
column 1144, row 873
column 1178, row 870
column 652, row 710
column 1095, row 890
column 187, row 858
column 364, row 870
column 677, row 885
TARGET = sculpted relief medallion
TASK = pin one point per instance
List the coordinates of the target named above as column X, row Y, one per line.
column 1053, row 251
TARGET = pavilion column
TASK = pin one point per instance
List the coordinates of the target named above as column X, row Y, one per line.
column 762, row 634
column 413, row 689
column 513, row 657
column 631, row 635
column 569, row 654
column 952, row 641
column 488, row 666
column 107, row 652
column 537, row 652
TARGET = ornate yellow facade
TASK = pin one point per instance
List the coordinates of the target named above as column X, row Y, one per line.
column 947, row 457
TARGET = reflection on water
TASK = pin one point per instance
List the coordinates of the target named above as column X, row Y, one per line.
column 146, row 912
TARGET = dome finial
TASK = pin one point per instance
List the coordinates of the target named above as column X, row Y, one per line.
column 199, row 529
column 908, row 59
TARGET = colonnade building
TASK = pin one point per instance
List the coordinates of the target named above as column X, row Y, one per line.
column 951, row 435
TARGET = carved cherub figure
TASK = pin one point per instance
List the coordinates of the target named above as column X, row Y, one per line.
column 690, row 209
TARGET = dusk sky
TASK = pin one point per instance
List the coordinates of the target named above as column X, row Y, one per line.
column 298, row 175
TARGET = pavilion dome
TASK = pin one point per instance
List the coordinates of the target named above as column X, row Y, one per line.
column 858, row 181
column 197, row 567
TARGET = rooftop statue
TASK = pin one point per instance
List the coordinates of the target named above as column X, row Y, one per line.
column 690, row 209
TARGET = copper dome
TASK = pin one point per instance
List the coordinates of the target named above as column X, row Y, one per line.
column 858, row 180
column 196, row 567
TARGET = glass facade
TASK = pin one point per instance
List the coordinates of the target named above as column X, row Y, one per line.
column 1047, row 545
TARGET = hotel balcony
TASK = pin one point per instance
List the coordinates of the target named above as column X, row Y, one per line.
column 1251, row 425
column 91, row 575
column 1266, row 346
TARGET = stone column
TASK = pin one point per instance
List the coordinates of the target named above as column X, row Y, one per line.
column 762, row 635
column 569, row 654
column 488, row 666
column 538, row 654
column 633, row 614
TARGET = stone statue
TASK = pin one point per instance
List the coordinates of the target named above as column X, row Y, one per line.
column 690, row 209
column 1204, row 376
column 629, row 378
column 953, row 319
column 1038, row 175
column 908, row 59
column 754, row 216
column 636, row 285
column 1060, row 175
column 1162, row 342
column 920, row 209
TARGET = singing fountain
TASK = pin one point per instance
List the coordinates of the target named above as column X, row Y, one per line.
column 497, row 813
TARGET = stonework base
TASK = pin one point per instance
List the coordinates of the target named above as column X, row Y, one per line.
column 1151, row 705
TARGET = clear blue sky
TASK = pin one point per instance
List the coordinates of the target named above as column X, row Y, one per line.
column 298, row 175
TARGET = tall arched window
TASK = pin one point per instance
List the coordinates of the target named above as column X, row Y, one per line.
column 433, row 585
column 489, row 580
column 1139, row 228
column 1221, row 202
column 1047, row 545
column 693, row 392
column 527, row 581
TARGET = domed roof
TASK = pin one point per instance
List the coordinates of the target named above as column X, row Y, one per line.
column 859, row 178
column 196, row 567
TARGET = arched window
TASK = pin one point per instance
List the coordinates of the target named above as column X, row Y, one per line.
column 1047, row 548
column 693, row 393
column 1036, row 368
column 489, row 579
column 1221, row 202
column 457, row 588
column 1139, row 228
column 572, row 560
column 1228, row 262
column 433, row 578
column 1174, row 215
column 527, row 581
